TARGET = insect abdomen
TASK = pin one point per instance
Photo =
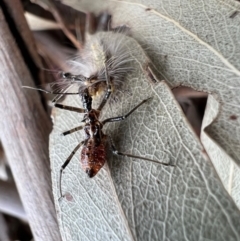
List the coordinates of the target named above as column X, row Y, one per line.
column 93, row 158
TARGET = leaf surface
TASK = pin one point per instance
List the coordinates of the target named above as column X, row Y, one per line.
column 190, row 44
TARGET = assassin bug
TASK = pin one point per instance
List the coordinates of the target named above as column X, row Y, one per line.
column 93, row 153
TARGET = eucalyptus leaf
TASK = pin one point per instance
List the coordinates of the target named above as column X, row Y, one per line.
column 193, row 44
column 133, row 199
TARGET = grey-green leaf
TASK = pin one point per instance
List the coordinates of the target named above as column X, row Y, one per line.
column 132, row 199
column 194, row 44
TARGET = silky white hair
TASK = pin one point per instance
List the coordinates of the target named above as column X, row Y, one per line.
column 103, row 51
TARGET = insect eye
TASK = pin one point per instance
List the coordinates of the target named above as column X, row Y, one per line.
column 66, row 75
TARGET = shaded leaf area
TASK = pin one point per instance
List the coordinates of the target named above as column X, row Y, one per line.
column 192, row 44
column 132, row 199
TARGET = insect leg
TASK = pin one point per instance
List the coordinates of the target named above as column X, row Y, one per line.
column 120, row 118
column 50, row 92
column 116, row 152
column 71, row 108
column 108, row 91
column 66, row 163
column 72, row 130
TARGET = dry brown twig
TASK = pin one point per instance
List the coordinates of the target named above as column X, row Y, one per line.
column 25, row 127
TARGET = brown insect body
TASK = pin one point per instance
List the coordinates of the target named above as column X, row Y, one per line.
column 93, row 154
column 93, row 157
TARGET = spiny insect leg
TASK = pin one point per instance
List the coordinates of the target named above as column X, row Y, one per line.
column 71, row 108
column 120, row 118
column 116, row 152
column 50, row 92
column 72, row 130
column 66, row 163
